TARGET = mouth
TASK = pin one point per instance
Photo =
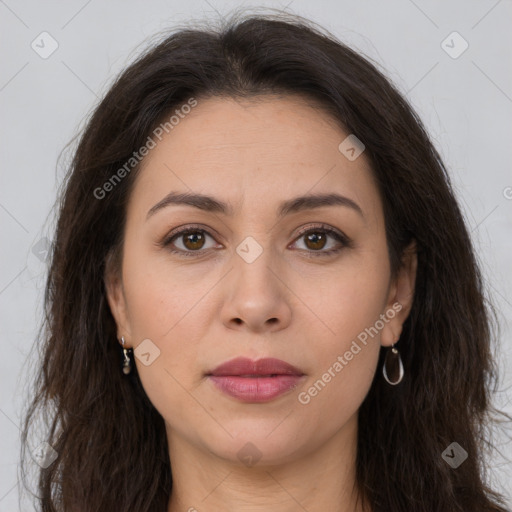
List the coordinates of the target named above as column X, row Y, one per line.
column 255, row 381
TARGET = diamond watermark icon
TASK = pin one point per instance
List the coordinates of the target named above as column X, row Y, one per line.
column 41, row 249
column 44, row 45
column 351, row 147
column 44, row 455
column 455, row 455
column 454, row 45
column 147, row 352
column 249, row 454
column 249, row 250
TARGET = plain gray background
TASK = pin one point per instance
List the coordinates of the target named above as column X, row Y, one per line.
column 464, row 98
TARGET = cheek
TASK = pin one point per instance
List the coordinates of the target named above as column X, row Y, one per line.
column 159, row 295
column 349, row 305
column 161, row 308
column 334, row 395
column 346, row 361
column 350, row 296
column 169, row 305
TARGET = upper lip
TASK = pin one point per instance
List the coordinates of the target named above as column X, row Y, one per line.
column 243, row 366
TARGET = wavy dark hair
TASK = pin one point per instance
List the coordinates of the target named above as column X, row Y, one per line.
column 109, row 439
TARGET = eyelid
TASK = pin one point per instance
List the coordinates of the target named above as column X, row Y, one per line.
column 321, row 226
column 189, row 227
column 182, row 230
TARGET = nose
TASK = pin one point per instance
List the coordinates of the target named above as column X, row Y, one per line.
column 256, row 296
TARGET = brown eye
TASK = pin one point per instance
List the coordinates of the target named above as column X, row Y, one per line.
column 187, row 242
column 193, row 240
column 315, row 240
column 318, row 241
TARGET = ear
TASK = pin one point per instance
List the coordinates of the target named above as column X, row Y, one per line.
column 401, row 296
column 116, row 297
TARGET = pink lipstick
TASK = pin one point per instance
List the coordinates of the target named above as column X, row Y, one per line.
column 255, row 381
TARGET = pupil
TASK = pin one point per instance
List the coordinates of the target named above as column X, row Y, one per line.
column 193, row 238
column 315, row 238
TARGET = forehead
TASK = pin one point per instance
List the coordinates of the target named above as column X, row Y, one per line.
column 254, row 152
column 289, row 127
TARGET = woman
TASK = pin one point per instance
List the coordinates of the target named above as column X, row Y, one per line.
column 262, row 293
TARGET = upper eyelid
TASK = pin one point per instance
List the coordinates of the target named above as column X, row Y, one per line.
column 303, row 231
column 321, row 226
column 185, row 229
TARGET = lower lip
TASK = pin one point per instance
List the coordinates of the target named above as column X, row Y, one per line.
column 255, row 389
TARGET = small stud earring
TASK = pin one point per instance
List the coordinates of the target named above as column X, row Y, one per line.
column 127, row 362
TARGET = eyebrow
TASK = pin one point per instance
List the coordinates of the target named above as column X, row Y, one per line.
column 297, row 204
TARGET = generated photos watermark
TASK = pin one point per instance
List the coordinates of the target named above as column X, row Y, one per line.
column 137, row 156
column 343, row 360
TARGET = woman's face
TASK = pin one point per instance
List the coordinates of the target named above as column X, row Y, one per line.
column 260, row 277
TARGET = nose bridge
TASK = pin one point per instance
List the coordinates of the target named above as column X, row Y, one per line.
column 256, row 296
column 253, row 260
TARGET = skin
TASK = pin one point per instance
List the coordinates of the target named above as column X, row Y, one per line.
column 208, row 308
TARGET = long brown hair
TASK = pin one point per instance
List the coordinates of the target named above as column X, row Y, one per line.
column 110, row 442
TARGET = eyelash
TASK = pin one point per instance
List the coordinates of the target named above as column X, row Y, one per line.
column 322, row 228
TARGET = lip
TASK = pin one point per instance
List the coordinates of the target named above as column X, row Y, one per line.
column 255, row 381
column 243, row 366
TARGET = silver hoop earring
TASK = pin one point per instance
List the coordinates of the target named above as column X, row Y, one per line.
column 393, row 366
column 127, row 362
